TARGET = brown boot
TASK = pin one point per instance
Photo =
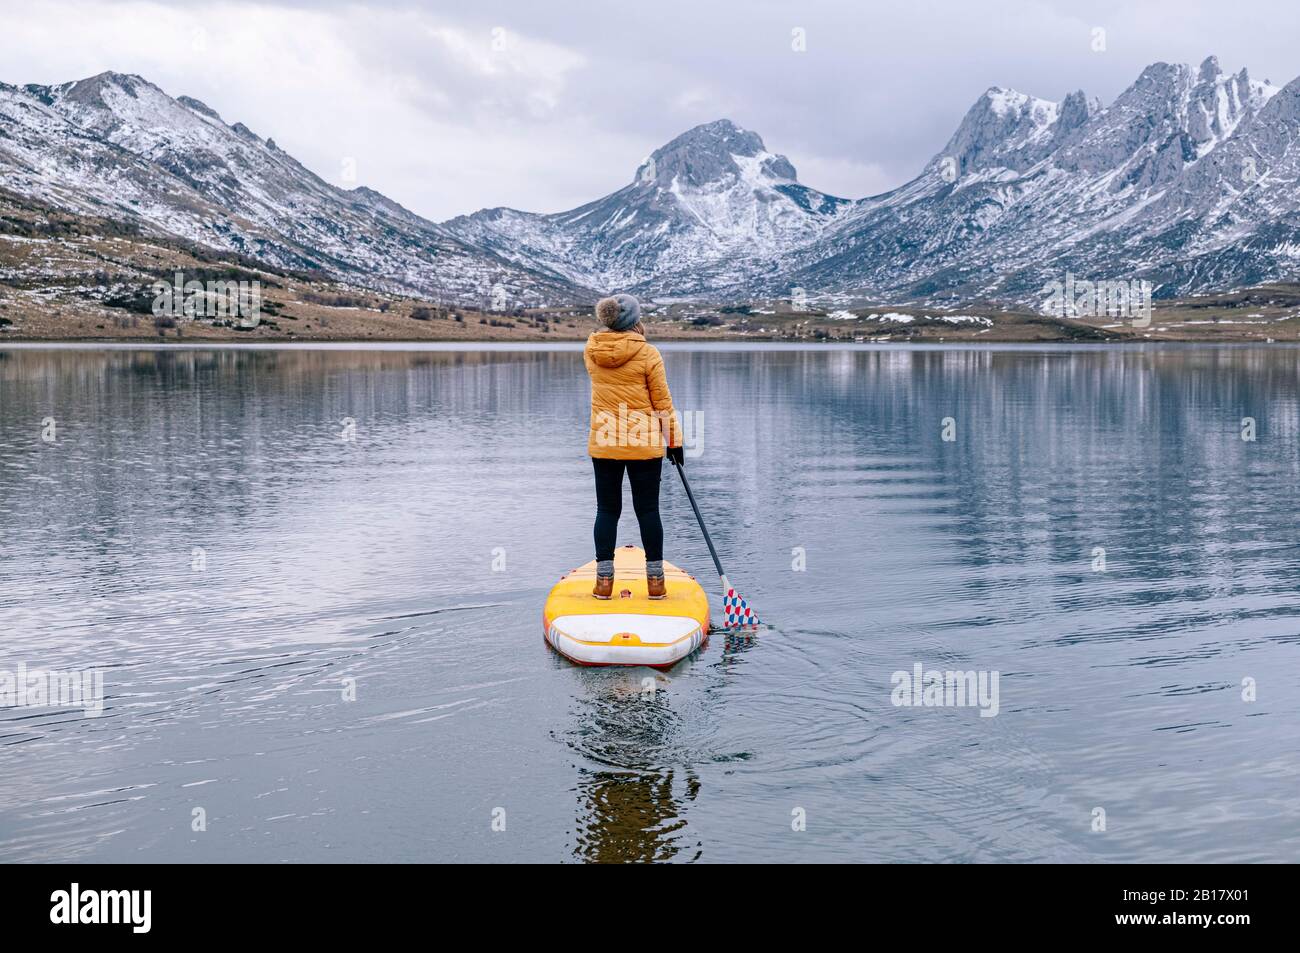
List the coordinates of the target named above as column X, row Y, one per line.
column 604, row 587
column 655, row 587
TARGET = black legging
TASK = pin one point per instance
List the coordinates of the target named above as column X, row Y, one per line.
column 644, row 477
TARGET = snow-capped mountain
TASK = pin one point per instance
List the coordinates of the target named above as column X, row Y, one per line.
column 118, row 146
column 1028, row 189
column 709, row 207
column 1188, row 179
column 1150, row 187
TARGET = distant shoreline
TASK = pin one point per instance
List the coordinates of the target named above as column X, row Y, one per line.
column 884, row 328
column 739, row 344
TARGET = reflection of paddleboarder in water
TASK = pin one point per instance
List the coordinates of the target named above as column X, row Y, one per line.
column 632, row 424
column 635, row 781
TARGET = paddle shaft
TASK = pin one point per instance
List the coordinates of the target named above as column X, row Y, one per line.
column 681, row 472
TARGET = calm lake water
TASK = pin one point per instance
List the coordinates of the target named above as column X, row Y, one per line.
column 201, row 530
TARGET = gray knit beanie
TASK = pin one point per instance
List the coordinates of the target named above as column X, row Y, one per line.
column 619, row 313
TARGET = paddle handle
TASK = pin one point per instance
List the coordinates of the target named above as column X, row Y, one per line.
column 681, row 472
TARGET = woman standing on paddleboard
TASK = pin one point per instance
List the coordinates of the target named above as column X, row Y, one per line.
column 632, row 425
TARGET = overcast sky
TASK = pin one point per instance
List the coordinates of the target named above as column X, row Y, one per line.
column 546, row 104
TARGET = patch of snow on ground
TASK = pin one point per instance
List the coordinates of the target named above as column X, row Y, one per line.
column 965, row 319
column 893, row 317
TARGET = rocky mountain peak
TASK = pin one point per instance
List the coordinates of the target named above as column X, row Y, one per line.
column 93, row 90
column 708, row 153
column 1004, row 128
column 199, row 107
column 1077, row 109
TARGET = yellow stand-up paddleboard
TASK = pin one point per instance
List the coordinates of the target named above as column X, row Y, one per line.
column 630, row 628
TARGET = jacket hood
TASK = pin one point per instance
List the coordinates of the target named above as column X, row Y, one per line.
column 614, row 348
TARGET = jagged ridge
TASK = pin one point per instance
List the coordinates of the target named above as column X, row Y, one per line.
column 1187, row 179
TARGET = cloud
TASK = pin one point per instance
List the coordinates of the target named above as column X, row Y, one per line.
column 843, row 177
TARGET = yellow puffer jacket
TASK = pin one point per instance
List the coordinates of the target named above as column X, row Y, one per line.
column 631, row 408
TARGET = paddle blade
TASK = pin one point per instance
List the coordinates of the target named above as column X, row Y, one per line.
column 736, row 613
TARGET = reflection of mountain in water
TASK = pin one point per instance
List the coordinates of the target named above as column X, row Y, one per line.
column 1049, row 442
